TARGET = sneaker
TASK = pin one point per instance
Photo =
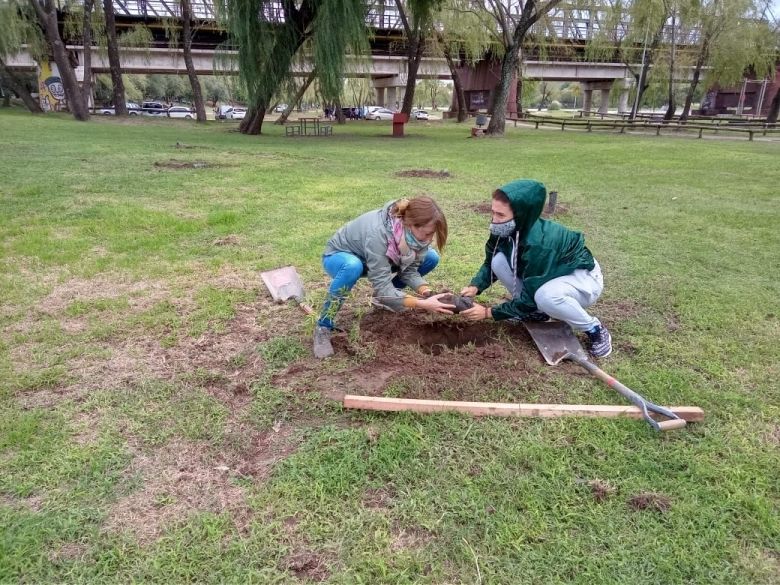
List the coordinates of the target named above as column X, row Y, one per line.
column 600, row 341
column 322, row 345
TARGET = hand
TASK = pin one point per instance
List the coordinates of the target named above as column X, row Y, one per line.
column 434, row 305
column 477, row 313
column 469, row 291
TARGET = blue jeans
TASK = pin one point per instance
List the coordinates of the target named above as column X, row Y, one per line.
column 346, row 269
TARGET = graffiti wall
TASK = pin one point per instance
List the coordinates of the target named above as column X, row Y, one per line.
column 51, row 92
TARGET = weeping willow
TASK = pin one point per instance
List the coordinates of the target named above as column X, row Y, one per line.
column 271, row 37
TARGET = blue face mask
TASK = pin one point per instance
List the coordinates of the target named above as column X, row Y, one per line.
column 414, row 243
column 505, row 228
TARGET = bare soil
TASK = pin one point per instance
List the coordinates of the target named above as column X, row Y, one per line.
column 650, row 501
column 424, row 174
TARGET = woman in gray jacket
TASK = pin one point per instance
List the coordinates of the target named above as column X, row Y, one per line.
column 391, row 246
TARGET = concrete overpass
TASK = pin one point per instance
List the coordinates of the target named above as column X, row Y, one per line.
column 387, row 72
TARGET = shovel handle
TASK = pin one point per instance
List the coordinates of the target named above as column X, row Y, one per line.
column 675, row 421
column 305, row 307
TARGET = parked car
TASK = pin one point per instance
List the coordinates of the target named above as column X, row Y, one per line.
column 280, row 108
column 133, row 109
column 237, row 113
column 181, row 112
column 154, row 109
column 221, row 113
column 380, row 114
column 420, row 115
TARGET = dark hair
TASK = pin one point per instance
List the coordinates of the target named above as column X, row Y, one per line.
column 421, row 211
column 499, row 195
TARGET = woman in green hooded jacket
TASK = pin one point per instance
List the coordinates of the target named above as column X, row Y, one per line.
column 545, row 266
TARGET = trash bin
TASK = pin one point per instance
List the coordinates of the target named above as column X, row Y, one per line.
column 398, row 124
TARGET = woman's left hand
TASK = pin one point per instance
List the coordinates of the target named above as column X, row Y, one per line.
column 477, row 313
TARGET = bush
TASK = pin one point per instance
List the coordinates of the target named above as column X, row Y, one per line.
column 554, row 105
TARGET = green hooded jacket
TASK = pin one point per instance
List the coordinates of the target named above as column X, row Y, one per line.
column 547, row 250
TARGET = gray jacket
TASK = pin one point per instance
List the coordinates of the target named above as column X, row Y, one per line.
column 366, row 237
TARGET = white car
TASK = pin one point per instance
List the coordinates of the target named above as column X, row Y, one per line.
column 380, row 114
column 420, row 115
column 236, row 113
column 181, row 112
column 133, row 109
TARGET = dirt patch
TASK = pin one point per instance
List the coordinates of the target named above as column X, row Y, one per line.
column 483, row 208
column 405, row 538
column 424, row 174
column 601, row 490
column 392, row 357
column 231, row 240
column 67, row 552
column 377, row 499
column 177, row 480
column 650, row 501
column 307, row 565
column 181, row 164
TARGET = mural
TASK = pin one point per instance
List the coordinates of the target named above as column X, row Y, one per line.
column 51, row 92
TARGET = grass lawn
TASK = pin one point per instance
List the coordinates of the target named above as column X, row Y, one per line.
column 162, row 420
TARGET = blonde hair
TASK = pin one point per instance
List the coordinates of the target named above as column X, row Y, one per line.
column 419, row 212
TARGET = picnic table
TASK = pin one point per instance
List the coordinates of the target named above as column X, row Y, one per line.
column 309, row 127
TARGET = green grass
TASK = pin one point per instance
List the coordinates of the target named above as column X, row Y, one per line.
column 108, row 261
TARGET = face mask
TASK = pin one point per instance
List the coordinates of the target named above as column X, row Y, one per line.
column 414, row 243
column 506, row 228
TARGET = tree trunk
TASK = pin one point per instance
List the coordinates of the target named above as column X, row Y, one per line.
column 48, row 21
column 672, row 108
column 120, row 107
column 642, row 83
column 501, row 95
column 86, row 85
column 298, row 96
column 18, row 87
column 460, row 95
column 186, row 33
column 340, row 119
column 253, row 121
column 695, row 80
column 774, row 109
column 413, row 65
column 519, row 85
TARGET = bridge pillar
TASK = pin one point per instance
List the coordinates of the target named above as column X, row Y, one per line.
column 380, row 96
column 625, row 89
column 587, row 99
column 392, row 97
column 604, row 105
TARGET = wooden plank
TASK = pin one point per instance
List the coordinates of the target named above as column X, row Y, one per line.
column 689, row 413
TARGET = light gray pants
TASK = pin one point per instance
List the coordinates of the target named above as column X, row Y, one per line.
column 564, row 298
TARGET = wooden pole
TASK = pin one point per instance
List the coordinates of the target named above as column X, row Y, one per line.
column 688, row 413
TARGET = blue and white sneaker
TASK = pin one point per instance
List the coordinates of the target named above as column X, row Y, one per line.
column 600, row 342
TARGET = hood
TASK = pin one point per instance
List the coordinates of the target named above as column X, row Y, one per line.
column 526, row 198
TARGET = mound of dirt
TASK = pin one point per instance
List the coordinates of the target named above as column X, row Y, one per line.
column 424, row 173
column 180, row 164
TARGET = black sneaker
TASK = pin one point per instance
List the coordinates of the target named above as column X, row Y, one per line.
column 322, row 345
column 600, row 342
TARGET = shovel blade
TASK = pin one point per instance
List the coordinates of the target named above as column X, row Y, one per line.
column 283, row 284
column 555, row 340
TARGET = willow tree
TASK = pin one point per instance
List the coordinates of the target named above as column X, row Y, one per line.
column 733, row 37
column 18, row 28
column 417, row 20
column 269, row 35
column 463, row 33
column 530, row 13
column 46, row 11
column 187, row 33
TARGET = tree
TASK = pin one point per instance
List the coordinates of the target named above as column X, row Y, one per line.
column 120, row 107
column 733, row 37
column 186, row 20
column 268, row 35
column 297, row 97
column 17, row 28
column 531, row 12
column 417, row 20
column 46, row 12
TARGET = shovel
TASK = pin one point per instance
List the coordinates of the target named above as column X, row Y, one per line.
column 557, row 342
column 285, row 284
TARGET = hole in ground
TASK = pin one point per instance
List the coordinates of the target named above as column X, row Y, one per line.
column 431, row 336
